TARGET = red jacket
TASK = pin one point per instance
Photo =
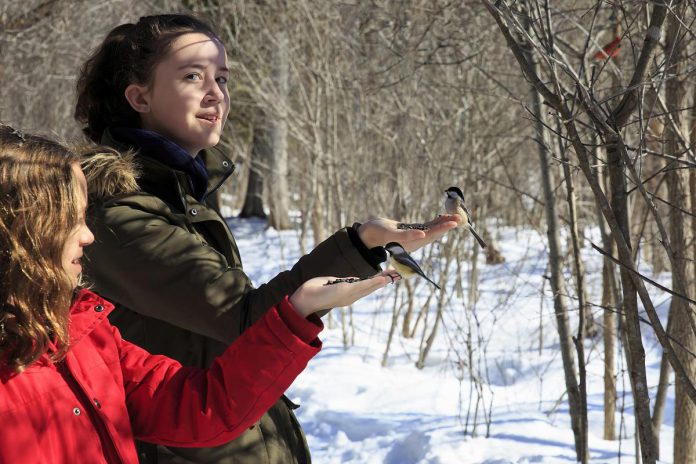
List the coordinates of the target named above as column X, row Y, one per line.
column 91, row 406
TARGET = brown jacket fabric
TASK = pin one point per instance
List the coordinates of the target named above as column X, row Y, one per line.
column 175, row 273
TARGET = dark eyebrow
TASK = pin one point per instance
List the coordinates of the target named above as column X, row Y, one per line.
column 200, row 66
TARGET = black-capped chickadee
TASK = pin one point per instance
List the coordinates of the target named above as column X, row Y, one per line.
column 404, row 264
column 454, row 204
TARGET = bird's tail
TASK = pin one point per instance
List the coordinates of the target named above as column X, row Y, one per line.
column 428, row 279
column 477, row 237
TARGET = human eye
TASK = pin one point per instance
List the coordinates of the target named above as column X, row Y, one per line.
column 221, row 79
column 193, row 77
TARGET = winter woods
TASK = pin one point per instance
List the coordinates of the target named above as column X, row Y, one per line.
column 574, row 120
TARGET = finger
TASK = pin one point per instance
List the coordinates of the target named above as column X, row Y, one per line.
column 379, row 282
column 447, row 223
column 357, row 292
column 394, row 276
column 445, row 218
column 359, row 286
column 453, row 217
column 432, row 236
column 441, row 229
column 390, row 273
column 376, row 282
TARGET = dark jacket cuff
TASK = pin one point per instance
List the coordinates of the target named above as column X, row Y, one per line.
column 374, row 256
column 307, row 329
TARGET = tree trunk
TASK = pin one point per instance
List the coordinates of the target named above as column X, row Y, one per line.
column 279, row 193
column 260, row 152
column 318, row 218
column 678, row 195
column 582, row 305
column 636, row 358
column 556, row 282
column 408, row 315
column 610, row 304
column 443, row 300
column 661, row 395
column 396, row 311
column 635, row 352
column 609, row 338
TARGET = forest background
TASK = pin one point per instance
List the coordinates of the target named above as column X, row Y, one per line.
column 573, row 119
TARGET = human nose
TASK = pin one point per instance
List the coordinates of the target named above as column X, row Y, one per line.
column 86, row 236
column 215, row 93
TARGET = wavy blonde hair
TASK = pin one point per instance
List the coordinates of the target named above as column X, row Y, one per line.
column 38, row 211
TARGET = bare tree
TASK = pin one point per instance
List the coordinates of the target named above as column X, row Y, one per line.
column 571, row 93
column 578, row 417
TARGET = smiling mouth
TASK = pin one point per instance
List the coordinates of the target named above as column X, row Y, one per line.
column 209, row 117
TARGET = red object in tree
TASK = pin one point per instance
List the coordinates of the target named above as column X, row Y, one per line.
column 610, row 50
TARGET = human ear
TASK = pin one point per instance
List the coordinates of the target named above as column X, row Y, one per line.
column 136, row 95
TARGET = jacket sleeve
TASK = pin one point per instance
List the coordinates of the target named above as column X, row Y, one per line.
column 179, row 406
column 161, row 270
column 336, row 256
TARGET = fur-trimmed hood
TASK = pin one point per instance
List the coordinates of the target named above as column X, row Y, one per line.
column 108, row 171
column 125, row 169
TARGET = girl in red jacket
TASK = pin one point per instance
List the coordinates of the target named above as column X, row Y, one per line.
column 71, row 389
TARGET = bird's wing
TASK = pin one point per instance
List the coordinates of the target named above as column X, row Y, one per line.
column 468, row 214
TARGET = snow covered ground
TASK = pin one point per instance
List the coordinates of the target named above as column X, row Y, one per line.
column 356, row 411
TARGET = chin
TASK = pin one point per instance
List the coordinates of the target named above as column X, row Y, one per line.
column 210, row 143
column 215, row 139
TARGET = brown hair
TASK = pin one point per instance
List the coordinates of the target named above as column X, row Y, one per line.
column 38, row 211
column 128, row 55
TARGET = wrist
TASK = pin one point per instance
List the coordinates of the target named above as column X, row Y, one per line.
column 305, row 328
column 299, row 307
column 364, row 235
column 374, row 255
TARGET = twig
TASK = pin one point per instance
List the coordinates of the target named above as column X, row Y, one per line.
column 645, row 278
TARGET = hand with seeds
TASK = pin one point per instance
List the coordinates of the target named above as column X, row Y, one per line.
column 319, row 293
column 380, row 231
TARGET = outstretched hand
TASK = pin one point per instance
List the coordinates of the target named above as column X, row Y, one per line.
column 380, row 231
column 315, row 294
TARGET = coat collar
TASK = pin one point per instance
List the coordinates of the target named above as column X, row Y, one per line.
column 87, row 311
column 169, row 183
column 153, row 145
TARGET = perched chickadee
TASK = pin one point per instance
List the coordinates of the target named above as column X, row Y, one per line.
column 404, row 264
column 454, row 204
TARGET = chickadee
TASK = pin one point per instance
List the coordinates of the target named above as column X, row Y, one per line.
column 404, row 264
column 454, row 204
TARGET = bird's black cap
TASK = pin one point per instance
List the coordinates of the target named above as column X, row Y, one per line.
column 393, row 244
column 456, row 190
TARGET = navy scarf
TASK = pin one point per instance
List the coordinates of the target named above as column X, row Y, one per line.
column 160, row 148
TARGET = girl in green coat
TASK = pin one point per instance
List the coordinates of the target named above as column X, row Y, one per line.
column 156, row 92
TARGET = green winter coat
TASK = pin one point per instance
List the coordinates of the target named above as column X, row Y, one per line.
column 171, row 265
